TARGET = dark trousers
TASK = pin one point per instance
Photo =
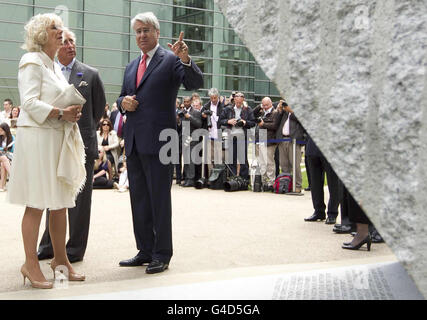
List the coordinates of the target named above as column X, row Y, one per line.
column 190, row 167
column 150, row 184
column 78, row 221
column 277, row 160
column 318, row 166
column 103, row 183
column 307, row 170
column 344, row 205
column 178, row 167
column 355, row 212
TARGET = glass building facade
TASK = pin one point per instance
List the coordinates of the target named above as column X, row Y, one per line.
column 105, row 41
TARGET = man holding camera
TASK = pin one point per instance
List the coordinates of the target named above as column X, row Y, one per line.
column 290, row 128
column 238, row 119
column 210, row 117
column 191, row 120
column 270, row 121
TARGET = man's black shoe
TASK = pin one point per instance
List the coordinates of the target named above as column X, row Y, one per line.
column 156, row 266
column 330, row 220
column 315, row 217
column 73, row 259
column 307, row 189
column 134, row 262
column 188, row 184
column 44, row 256
column 178, row 181
column 343, row 228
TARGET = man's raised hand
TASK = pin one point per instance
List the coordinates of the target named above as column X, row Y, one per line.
column 180, row 49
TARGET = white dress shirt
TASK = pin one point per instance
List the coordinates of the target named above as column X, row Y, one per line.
column 213, row 132
column 150, row 54
column 286, row 130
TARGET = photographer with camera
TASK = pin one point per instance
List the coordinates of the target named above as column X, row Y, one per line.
column 269, row 119
column 237, row 119
column 210, row 117
column 190, row 118
column 178, row 166
column 290, row 128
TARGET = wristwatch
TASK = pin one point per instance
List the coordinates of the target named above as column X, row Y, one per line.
column 61, row 113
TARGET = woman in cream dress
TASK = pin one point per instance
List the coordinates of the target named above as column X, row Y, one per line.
column 33, row 181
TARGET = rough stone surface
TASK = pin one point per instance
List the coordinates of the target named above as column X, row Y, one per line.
column 354, row 72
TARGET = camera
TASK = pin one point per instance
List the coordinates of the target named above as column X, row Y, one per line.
column 258, row 120
column 233, row 93
column 240, row 123
column 236, row 183
column 208, row 113
column 181, row 113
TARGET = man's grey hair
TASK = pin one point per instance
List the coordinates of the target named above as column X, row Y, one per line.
column 213, row 92
column 146, row 18
column 66, row 31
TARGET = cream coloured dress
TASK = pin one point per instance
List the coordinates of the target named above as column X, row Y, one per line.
column 33, row 181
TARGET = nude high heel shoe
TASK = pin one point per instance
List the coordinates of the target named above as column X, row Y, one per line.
column 35, row 284
column 71, row 276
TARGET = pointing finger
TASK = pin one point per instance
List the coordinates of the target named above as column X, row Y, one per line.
column 181, row 36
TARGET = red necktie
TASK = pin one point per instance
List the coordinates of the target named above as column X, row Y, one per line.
column 141, row 69
column 119, row 129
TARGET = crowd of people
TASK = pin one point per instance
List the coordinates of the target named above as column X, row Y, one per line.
column 120, row 147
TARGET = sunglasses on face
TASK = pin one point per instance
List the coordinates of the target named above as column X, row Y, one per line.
column 105, row 124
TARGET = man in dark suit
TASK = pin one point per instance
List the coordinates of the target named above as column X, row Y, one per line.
column 318, row 166
column 118, row 120
column 87, row 81
column 191, row 121
column 178, row 165
column 148, row 97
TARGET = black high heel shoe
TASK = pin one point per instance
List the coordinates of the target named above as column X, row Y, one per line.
column 349, row 246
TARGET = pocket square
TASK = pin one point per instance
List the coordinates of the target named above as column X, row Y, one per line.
column 83, row 84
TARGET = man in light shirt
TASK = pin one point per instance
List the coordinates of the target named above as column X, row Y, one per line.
column 214, row 107
column 5, row 114
column 238, row 119
column 270, row 121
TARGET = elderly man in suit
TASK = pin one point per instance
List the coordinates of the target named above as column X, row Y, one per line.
column 87, row 81
column 148, row 96
column 191, row 121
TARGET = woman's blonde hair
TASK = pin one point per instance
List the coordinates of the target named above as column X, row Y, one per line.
column 104, row 158
column 36, row 35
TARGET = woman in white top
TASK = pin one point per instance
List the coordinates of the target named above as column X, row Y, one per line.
column 109, row 141
column 33, row 181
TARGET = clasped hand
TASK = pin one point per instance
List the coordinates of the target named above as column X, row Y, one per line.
column 72, row 113
column 129, row 103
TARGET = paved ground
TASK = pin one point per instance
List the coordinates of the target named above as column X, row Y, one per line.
column 217, row 236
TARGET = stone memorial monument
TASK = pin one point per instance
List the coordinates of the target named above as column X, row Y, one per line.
column 354, row 72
